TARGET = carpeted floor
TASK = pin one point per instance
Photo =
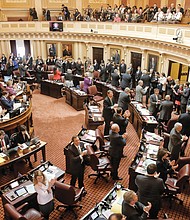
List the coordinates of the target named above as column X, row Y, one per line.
column 55, row 122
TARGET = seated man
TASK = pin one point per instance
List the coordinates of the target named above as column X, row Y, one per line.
column 133, row 209
column 4, row 141
column 121, row 120
column 7, row 101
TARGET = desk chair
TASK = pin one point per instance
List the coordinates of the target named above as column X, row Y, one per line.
column 176, row 185
column 15, row 213
column 101, row 165
column 93, row 92
column 68, row 196
column 103, row 141
column 96, row 75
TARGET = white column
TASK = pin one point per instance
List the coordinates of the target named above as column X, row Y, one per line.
column 43, row 50
column 59, row 49
column 75, row 50
column 144, row 59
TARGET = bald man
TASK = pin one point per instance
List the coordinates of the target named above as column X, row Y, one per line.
column 176, row 140
column 117, row 143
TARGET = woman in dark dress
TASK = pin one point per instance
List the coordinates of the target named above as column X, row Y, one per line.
column 164, row 166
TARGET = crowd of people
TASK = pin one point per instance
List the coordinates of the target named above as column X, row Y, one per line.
column 159, row 93
column 121, row 13
column 125, row 13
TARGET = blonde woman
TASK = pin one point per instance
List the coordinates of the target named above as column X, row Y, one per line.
column 44, row 193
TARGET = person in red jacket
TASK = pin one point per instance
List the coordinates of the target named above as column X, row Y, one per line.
column 57, row 74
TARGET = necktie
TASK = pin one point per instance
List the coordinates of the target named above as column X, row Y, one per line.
column 111, row 101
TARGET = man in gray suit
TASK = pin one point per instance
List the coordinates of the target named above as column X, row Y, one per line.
column 124, row 99
column 166, row 108
column 140, row 91
column 175, row 142
column 155, row 102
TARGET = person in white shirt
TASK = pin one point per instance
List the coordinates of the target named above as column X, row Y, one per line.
column 178, row 15
column 159, row 16
column 168, row 15
column 44, row 193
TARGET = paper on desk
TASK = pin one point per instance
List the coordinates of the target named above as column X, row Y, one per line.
column 49, row 176
column 97, row 115
column 30, row 188
column 6, row 117
column 2, row 160
column 16, row 105
column 107, row 213
column 92, row 133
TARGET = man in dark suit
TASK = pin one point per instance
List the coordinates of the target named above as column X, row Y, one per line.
column 126, row 80
column 4, row 141
column 184, row 119
column 121, row 119
column 132, row 208
column 77, row 162
column 146, row 83
column 122, row 67
column 108, row 69
column 155, row 102
column 166, row 108
column 115, row 78
column 117, row 143
column 7, row 103
column 138, row 75
column 185, row 97
column 175, row 141
column 124, row 99
column 29, row 61
column 108, row 110
column 150, row 189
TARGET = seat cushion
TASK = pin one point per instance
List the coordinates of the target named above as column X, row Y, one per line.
column 33, row 214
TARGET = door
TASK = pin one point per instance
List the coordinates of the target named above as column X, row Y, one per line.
column 136, row 60
column 98, row 54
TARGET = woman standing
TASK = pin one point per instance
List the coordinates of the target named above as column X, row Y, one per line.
column 44, row 193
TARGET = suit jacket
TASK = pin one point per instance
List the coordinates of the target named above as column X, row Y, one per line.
column 185, row 96
column 164, row 168
column 150, row 189
column 174, row 145
column 76, row 163
column 153, row 101
column 166, row 108
column 20, row 139
column 6, row 103
column 134, row 213
column 184, row 119
column 139, row 93
column 117, row 143
column 107, row 111
column 114, row 79
column 126, row 80
column 7, row 142
column 138, row 75
column 124, row 100
column 146, row 80
column 121, row 121
column 122, row 68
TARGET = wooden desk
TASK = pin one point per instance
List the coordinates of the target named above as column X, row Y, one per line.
column 26, row 180
column 16, row 156
column 68, row 96
column 78, row 98
column 93, row 117
column 75, row 98
column 11, row 125
column 148, row 149
column 51, row 88
column 139, row 121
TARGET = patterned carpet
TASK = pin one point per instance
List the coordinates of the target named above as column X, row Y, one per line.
column 55, row 122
